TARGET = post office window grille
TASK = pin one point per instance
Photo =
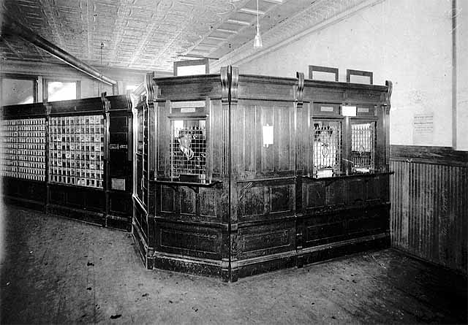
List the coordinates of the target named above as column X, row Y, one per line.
column 188, row 149
column 363, row 143
column 327, row 147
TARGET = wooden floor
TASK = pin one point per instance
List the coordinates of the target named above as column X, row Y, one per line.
column 55, row 270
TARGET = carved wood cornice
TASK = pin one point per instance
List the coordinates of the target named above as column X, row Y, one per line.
column 319, row 15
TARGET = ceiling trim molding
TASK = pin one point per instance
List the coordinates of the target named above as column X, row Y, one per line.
column 319, row 15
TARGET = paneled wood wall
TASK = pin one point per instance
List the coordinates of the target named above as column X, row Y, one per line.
column 429, row 195
column 258, row 207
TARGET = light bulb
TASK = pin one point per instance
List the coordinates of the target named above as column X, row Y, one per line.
column 258, row 40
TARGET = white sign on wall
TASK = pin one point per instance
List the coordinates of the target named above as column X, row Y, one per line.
column 423, row 129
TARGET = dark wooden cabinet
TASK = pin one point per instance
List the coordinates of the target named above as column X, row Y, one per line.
column 119, row 162
column 240, row 174
column 72, row 158
column 23, row 162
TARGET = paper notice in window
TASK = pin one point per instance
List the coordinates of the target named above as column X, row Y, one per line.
column 267, row 135
column 423, row 129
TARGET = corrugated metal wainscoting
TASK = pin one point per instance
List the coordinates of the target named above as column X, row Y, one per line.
column 429, row 195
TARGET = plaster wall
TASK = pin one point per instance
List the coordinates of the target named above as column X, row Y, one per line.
column 406, row 42
column 462, row 75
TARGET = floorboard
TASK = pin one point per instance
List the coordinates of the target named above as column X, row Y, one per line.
column 60, row 271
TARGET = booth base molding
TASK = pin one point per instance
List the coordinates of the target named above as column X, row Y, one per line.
column 25, row 203
column 24, row 193
column 95, row 218
column 264, row 264
column 91, row 217
column 190, row 265
column 339, row 249
column 118, row 222
column 142, row 248
column 231, row 271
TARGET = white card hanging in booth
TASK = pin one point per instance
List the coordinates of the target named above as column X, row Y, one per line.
column 267, row 135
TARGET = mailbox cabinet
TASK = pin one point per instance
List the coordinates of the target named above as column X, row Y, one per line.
column 72, row 158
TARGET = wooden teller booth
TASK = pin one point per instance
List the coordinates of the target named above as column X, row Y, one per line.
column 236, row 175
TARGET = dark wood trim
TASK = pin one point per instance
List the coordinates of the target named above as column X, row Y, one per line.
column 337, row 86
column 34, row 110
column 429, row 155
column 76, row 107
column 178, row 80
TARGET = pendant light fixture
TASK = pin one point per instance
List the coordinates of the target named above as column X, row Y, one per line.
column 258, row 38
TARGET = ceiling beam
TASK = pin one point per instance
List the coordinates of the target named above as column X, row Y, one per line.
column 229, row 31
column 217, row 38
column 239, row 22
column 252, row 11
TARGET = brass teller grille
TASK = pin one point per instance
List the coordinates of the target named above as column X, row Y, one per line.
column 23, row 148
column 327, row 145
column 188, row 148
column 76, row 154
column 363, row 146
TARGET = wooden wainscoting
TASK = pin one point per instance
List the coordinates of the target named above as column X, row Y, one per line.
column 429, row 195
